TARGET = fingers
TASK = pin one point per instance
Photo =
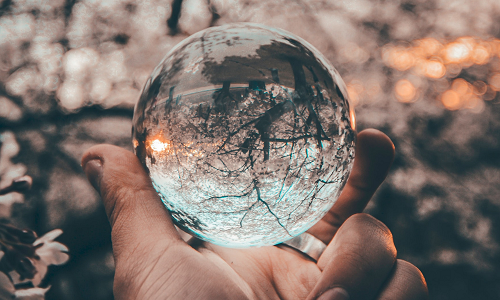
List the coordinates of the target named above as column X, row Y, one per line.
column 374, row 156
column 133, row 207
column 357, row 261
column 406, row 282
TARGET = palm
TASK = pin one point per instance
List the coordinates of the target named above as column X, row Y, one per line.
column 260, row 273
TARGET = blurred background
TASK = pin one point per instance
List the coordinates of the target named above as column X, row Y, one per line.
column 427, row 73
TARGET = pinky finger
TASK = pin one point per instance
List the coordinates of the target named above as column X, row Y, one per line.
column 406, row 282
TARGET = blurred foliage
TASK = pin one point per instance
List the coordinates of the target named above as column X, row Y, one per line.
column 24, row 257
column 424, row 72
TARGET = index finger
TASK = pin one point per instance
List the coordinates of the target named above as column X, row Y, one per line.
column 374, row 156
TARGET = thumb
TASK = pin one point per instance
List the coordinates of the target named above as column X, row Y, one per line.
column 134, row 210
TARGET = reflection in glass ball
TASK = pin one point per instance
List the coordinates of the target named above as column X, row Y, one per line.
column 247, row 134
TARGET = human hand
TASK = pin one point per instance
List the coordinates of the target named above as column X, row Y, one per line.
column 153, row 262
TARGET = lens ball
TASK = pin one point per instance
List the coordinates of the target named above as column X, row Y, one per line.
column 247, row 134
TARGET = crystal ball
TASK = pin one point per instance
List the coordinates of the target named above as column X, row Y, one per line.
column 247, row 134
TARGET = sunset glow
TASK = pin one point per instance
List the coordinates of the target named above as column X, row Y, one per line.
column 434, row 59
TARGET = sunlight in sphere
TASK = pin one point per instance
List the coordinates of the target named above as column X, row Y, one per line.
column 353, row 119
column 158, row 146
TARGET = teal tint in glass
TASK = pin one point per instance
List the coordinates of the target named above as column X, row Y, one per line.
column 247, row 134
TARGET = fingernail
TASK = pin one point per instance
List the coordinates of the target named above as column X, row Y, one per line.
column 336, row 293
column 93, row 169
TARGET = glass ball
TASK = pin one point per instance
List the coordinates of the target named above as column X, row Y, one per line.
column 247, row 133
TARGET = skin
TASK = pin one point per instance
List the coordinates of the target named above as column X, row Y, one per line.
column 153, row 261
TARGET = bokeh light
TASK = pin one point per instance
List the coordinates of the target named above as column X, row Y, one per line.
column 494, row 81
column 451, row 100
column 355, row 89
column 434, row 69
column 405, row 91
column 434, row 59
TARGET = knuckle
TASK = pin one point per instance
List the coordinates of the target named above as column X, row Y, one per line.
column 414, row 278
column 375, row 235
column 367, row 220
column 406, row 282
column 119, row 196
column 368, row 225
column 123, row 182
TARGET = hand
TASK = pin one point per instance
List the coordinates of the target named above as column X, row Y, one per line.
column 153, row 262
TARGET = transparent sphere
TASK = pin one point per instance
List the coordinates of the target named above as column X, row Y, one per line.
column 247, row 134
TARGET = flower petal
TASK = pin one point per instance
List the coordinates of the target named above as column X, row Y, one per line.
column 31, row 294
column 49, row 236
column 53, row 253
